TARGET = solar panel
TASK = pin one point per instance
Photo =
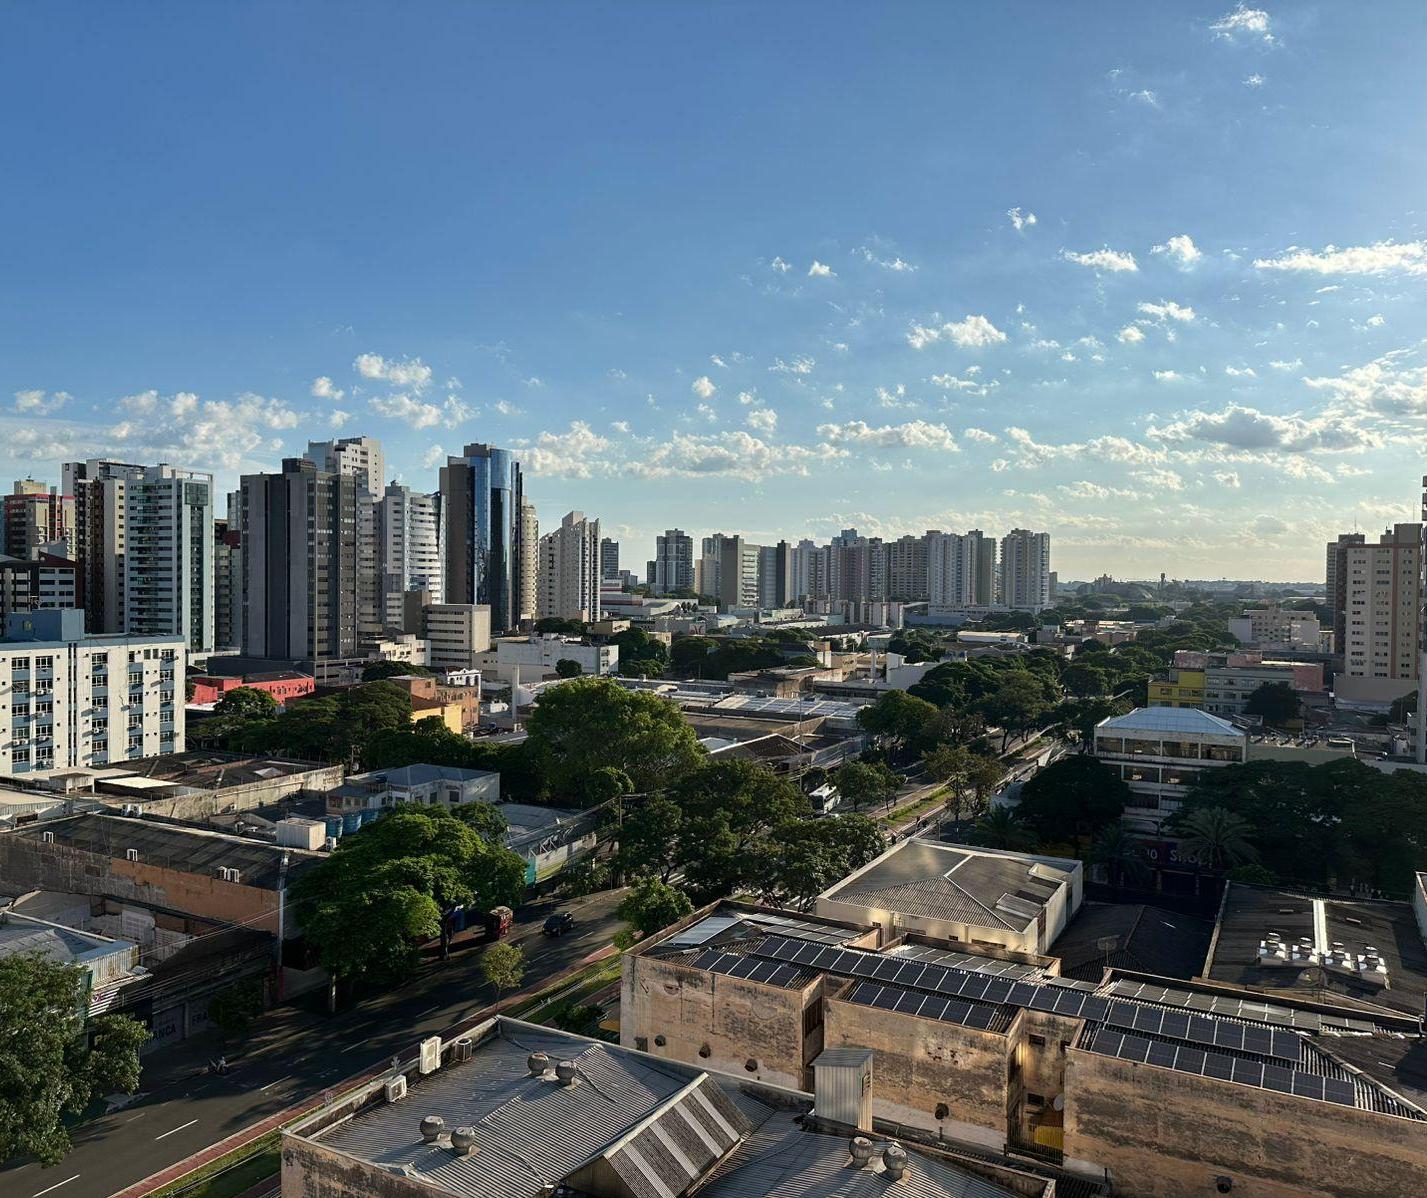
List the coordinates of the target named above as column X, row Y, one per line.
column 1162, row 1054
column 1335, row 1089
column 1134, row 1048
column 909, row 1002
column 886, row 999
column 997, row 990
column 1228, row 1035
column 974, row 985
column 1307, row 1085
column 1218, row 1065
column 1175, row 1024
column 1259, row 1040
column 1276, row 1077
column 935, row 1008
column 1190, row 1060
column 745, row 966
column 1288, row 1045
column 1248, row 1073
column 1148, row 1019
column 981, row 1016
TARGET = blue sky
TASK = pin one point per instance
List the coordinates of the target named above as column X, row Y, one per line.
column 1150, row 276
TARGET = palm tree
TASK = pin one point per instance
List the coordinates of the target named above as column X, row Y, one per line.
column 1001, row 828
column 1122, row 855
column 1216, row 838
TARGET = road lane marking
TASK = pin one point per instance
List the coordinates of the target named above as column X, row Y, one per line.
column 57, row 1185
column 171, row 1130
column 270, row 1085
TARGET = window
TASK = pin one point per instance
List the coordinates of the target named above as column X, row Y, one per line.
column 1037, row 1041
column 1034, row 1101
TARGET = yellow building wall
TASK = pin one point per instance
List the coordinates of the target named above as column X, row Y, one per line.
column 1184, row 689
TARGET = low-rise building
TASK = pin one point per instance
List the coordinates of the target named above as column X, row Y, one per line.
column 1275, row 626
column 457, row 634
column 422, row 785
column 536, row 657
column 107, row 963
column 960, row 894
column 1160, row 752
column 1223, row 683
column 282, row 685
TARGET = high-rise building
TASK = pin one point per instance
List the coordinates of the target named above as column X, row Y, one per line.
column 1382, row 641
column 228, row 578
column 38, row 517
column 299, row 554
column 775, row 575
column 483, row 528
column 609, row 558
column 408, row 533
column 1336, row 588
column 529, row 561
column 37, row 583
column 810, row 571
column 857, row 567
column 361, row 459
column 737, row 573
column 907, row 567
column 673, row 566
column 143, row 538
column 983, row 554
column 1025, row 570
column 570, row 570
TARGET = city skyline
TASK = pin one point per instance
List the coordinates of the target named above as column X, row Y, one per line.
column 982, row 269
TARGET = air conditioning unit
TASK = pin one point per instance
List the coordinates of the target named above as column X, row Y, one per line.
column 131, row 854
column 47, row 837
column 396, row 1088
column 430, row 1055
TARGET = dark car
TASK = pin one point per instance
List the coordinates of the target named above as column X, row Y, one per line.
column 558, row 924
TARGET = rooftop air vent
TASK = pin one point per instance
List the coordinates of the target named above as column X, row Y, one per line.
column 431, row 1128
column 465, row 1048
column 566, row 1073
column 537, row 1063
column 894, row 1161
column 463, row 1140
column 861, row 1150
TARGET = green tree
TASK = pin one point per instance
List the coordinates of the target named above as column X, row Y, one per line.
column 377, row 670
column 1075, row 719
column 1071, row 799
column 54, row 1063
column 234, row 1009
column 246, row 702
column 503, row 966
column 566, row 668
column 1002, row 828
column 866, row 784
column 802, row 858
column 950, row 764
column 387, row 888
column 898, row 717
column 1123, row 856
column 984, row 775
column 329, row 727
column 1016, row 705
column 689, row 653
column 1085, row 680
column 484, row 819
column 558, row 626
column 650, row 837
column 1216, row 839
column 586, row 723
column 1276, row 703
column 641, row 654
column 430, row 742
column 653, row 905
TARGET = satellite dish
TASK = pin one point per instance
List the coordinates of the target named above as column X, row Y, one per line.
column 1059, row 1102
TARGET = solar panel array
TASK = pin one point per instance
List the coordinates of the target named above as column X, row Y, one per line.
column 1187, row 1059
column 1220, row 1004
column 1183, row 1025
column 927, row 1006
column 735, row 965
column 942, row 956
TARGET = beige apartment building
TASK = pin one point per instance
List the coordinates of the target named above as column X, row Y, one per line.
column 1379, row 588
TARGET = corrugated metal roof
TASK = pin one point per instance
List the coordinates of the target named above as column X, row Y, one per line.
column 1170, row 719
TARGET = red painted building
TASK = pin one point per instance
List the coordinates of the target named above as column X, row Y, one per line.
column 283, row 685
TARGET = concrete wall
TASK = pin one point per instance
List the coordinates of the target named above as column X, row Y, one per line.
column 28, row 864
column 198, row 804
column 311, row 1171
column 1164, row 1134
column 734, row 1020
column 921, row 1065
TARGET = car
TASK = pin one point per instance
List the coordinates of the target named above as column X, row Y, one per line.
column 558, row 924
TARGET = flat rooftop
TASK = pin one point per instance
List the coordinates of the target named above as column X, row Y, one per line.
column 196, row 769
column 1250, row 913
column 957, row 883
column 627, row 1123
column 171, row 846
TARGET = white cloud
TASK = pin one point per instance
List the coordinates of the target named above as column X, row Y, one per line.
column 1103, row 259
column 703, row 387
column 1380, row 258
column 1285, row 364
column 971, row 332
column 820, row 270
column 780, row 266
column 915, row 434
column 1248, row 22
column 1374, row 322
column 325, row 388
column 715, row 360
column 707, row 412
column 1160, row 479
column 574, row 453
column 981, row 435
column 747, row 397
column 1020, row 220
column 404, row 372
column 1240, row 372
column 900, row 265
column 733, row 454
column 1254, row 80
column 798, row 365
column 1385, row 387
column 621, row 427
column 765, row 420
column 1227, row 478
column 1170, row 376
column 1168, row 310
column 433, row 457
column 505, row 408
column 337, row 418
column 1130, row 335
column 534, row 381
column 419, row 413
column 39, row 402
column 1146, row 97
column 1246, row 428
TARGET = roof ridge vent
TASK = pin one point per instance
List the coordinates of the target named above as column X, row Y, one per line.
column 894, row 1161
column 537, row 1063
column 566, row 1073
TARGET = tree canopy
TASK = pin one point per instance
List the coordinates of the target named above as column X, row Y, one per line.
column 377, row 670
column 653, row 905
column 1071, row 799
column 54, row 1063
column 862, row 784
column 897, row 716
column 1276, row 703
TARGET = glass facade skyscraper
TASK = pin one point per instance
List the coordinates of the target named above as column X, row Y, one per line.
column 481, row 498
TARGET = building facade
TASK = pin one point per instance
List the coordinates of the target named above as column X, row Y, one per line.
column 408, row 530
column 570, row 560
column 484, row 528
column 673, row 566
column 1381, row 616
column 37, row 583
column 1025, row 570
column 37, row 516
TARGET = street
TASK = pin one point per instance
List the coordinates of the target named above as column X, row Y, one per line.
column 291, row 1053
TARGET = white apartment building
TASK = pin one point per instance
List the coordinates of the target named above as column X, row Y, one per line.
column 357, row 457
column 535, row 657
column 71, row 700
column 1160, row 753
column 361, row 459
column 457, row 634
column 570, row 570
column 1275, row 625
column 144, row 543
column 672, row 568
column 1025, row 570
column 951, row 569
column 1381, row 586
column 408, row 527
column 528, row 599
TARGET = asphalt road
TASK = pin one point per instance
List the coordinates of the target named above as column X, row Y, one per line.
column 292, row 1053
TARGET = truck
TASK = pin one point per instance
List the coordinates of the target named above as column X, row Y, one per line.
column 498, row 921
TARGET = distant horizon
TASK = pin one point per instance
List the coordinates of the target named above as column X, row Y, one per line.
column 1146, row 277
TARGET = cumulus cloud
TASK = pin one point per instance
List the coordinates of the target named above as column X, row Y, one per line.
column 1387, row 387
column 703, row 387
column 38, row 402
column 1103, row 259
column 1170, row 376
column 1160, row 479
column 1240, row 372
column 820, row 270
column 399, row 372
column 734, row 454
column 897, row 264
column 505, row 408
column 1243, row 22
column 914, row 434
column 204, row 434
column 1227, row 478
column 980, row 435
column 1380, row 258
column 574, row 453
column 971, row 332
column 1168, row 310
column 1254, row 80
column 435, row 456
column 1130, row 335
column 325, row 388
column 1020, row 220
column 765, row 420
column 337, row 418
column 1238, row 427
column 798, row 365
column 419, row 413
column 780, row 266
